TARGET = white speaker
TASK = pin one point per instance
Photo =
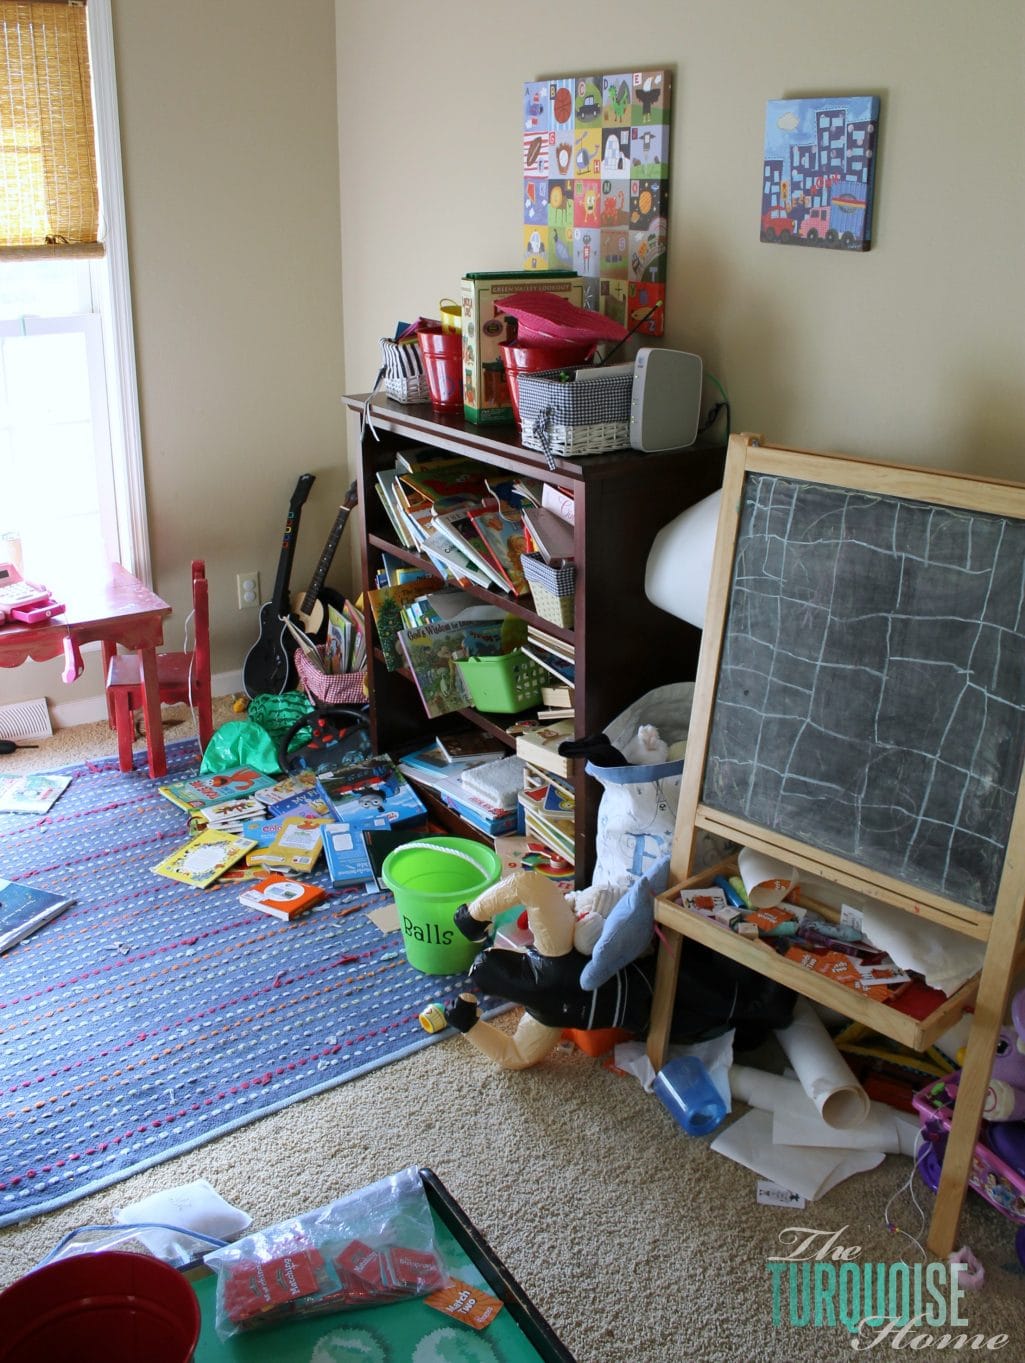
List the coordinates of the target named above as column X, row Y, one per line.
column 665, row 404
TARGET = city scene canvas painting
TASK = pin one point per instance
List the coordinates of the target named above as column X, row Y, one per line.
column 819, row 171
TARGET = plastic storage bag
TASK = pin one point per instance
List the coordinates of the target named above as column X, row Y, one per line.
column 369, row 1248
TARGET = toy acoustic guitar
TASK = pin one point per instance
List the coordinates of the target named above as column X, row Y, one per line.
column 269, row 668
column 309, row 609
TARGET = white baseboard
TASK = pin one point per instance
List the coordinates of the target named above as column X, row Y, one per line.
column 92, row 709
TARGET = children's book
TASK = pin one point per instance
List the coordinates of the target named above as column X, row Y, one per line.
column 363, row 791
column 475, row 743
column 24, row 909
column 299, row 783
column 446, row 483
column 428, row 758
column 386, row 604
column 302, row 802
column 380, row 841
column 281, row 897
column 503, row 536
column 198, row 791
column 348, row 861
column 297, row 847
column 557, row 695
column 552, row 536
column 540, row 746
column 540, row 638
column 550, row 836
column 231, row 813
column 458, row 527
column 385, row 483
column 559, row 667
column 33, row 794
column 431, row 652
column 204, row 858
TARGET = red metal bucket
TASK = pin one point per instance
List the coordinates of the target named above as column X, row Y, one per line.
column 532, row 357
column 443, row 364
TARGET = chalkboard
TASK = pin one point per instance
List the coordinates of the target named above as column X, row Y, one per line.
column 871, row 692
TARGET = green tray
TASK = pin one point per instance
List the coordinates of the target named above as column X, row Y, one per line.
column 391, row 1334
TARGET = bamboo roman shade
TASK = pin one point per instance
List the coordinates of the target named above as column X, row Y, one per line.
column 49, row 198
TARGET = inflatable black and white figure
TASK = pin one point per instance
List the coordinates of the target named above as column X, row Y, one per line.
column 714, row 994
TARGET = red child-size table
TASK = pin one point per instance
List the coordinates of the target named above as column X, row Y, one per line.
column 109, row 606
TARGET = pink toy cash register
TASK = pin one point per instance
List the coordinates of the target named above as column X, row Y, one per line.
column 24, row 603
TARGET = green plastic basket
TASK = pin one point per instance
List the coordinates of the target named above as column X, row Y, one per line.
column 506, row 684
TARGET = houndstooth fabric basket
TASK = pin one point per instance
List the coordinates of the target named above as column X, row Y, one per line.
column 403, row 369
column 343, row 688
column 561, row 416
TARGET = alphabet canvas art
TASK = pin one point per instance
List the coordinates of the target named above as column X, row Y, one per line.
column 596, row 188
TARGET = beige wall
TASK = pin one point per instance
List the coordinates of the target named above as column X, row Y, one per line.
column 228, row 131
column 234, row 127
column 913, row 351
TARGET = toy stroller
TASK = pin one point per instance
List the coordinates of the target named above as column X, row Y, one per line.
column 998, row 1164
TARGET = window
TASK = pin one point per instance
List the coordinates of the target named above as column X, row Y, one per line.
column 70, row 450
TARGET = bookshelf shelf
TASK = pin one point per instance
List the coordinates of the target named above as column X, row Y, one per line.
column 624, row 646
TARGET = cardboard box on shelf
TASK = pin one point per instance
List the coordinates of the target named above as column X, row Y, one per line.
column 486, row 399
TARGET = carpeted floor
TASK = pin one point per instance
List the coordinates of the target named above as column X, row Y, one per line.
column 637, row 1243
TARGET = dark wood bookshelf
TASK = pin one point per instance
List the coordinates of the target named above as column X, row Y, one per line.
column 624, row 646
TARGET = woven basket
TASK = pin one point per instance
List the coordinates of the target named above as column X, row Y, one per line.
column 553, row 589
column 563, row 417
column 330, row 688
column 404, row 376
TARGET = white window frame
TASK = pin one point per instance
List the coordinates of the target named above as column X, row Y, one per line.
column 115, row 299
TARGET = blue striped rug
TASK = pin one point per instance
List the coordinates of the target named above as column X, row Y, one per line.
column 151, row 1017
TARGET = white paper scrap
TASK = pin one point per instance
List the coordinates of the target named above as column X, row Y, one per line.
column 807, row 1170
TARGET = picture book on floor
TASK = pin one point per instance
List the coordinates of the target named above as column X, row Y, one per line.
column 361, row 792
column 204, row 858
column 33, row 794
column 348, row 862
column 199, row 791
column 24, row 909
column 281, row 897
column 296, row 846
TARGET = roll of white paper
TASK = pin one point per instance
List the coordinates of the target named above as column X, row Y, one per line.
column 766, row 880
column 762, row 1089
column 821, row 1070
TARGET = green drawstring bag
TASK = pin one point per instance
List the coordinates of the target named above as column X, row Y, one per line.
column 254, row 742
column 240, row 743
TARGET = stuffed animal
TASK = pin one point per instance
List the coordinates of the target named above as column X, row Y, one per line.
column 715, row 993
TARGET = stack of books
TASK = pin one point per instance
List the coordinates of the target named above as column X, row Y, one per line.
column 428, row 767
column 555, row 655
column 549, row 811
column 466, row 519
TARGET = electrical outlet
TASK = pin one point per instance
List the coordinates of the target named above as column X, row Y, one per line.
column 248, row 587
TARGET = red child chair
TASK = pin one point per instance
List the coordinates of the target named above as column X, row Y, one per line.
column 184, row 678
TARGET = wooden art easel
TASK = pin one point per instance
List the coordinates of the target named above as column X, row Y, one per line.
column 859, row 713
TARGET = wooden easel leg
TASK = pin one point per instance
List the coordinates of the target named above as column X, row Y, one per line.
column 667, row 972
column 964, row 1125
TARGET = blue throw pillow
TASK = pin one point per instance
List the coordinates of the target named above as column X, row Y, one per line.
column 628, row 928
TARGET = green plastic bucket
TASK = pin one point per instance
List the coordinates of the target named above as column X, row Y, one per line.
column 430, row 878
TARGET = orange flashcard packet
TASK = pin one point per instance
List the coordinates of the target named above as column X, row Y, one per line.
column 472, row 1305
